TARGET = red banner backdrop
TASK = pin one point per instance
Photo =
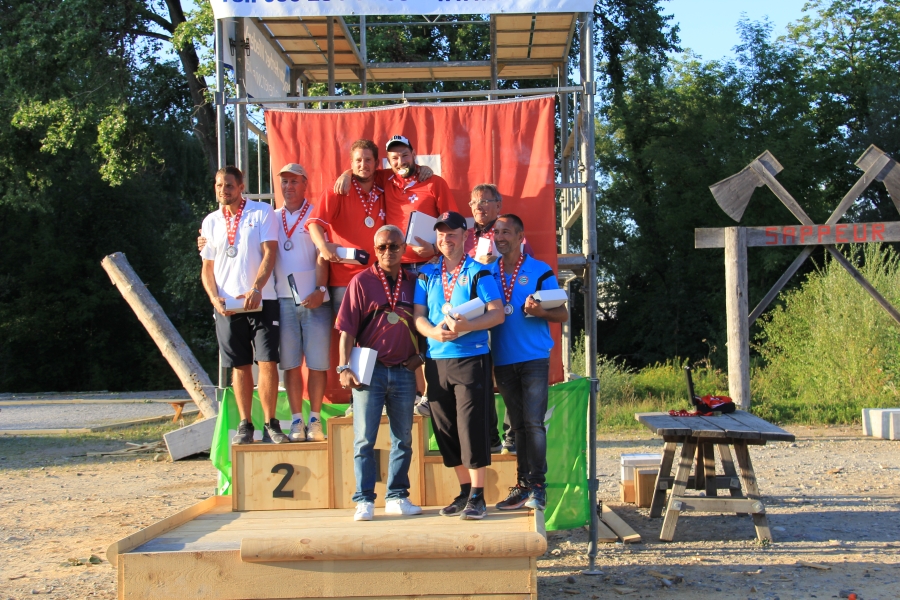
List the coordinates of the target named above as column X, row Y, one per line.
column 508, row 143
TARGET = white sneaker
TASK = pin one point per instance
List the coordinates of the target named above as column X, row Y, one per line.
column 349, row 411
column 314, row 431
column 401, row 506
column 422, row 408
column 364, row 511
column 298, row 431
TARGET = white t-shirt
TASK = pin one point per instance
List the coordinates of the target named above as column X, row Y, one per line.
column 302, row 257
column 235, row 276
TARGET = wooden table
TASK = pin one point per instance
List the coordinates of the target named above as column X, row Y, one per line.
column 700, row 437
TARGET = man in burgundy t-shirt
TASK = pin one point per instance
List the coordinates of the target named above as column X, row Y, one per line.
column 377, row 313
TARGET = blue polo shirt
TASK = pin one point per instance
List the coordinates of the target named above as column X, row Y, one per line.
column 521, row 338
column 430, row 293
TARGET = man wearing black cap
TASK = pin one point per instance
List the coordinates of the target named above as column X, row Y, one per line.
column 458, row 362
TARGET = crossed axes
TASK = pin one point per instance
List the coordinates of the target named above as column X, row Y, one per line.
column 733, row 195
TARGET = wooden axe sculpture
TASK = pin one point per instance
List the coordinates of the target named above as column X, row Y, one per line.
column 733, row 194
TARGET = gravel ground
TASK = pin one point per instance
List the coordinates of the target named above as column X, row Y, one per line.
column 85, row 410
column 833, row 499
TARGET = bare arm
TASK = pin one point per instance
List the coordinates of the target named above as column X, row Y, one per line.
column 560, row 314
column 208, row 278
column 348, row 377
column 342, row 183
column 326, row 249
column 424, row 326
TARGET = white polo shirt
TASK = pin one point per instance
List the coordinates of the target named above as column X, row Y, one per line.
column 301, row 257
column 235, row 276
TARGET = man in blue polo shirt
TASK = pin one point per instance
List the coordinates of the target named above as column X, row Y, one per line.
column 458, row 360
column 521, row 352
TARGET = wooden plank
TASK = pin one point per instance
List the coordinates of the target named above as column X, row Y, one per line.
column 688, row 450
column 620, row 527
column 160, row 527
column 328, row 545
column 748, row 477
column 190, row 439
column 733, row 428
column 737, row 326
column 760, row 169
column 804, row 235
column 890, row 175
column 719, row 505
column 645, row 486
column 730, row 472
column 215, row 575
column 767, row 431
column 859, row 187
column 436, row 597
column 663, row 424
column 709, row 470
column 722, row 482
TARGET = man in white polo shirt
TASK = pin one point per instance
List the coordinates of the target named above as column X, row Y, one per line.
column 238, row 259
column 305, row 327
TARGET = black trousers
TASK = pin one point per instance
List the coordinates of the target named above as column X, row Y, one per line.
column 460, row 392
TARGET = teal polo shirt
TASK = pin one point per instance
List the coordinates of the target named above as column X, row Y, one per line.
column 521, row 338
column 475, row 279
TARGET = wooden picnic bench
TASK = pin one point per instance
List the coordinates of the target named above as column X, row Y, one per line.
column 700, row 437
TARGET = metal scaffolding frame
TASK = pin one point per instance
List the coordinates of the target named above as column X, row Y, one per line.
column 576, row 187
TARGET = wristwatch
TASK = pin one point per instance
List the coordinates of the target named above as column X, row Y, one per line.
column 322, row 289
column 341, row 368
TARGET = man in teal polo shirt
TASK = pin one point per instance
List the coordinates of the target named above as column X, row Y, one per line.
column 520, row 347
column 458, row 360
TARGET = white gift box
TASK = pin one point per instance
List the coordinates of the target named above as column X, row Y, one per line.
column 362, row 363
column 632, row 461
column 236, row 305
column 302, row 284
column 352, row 255
column 550, row 299
column 470, row 310
column 421, row 225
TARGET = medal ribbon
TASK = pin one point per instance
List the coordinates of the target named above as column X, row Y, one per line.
column 404, row 184
column 507, row 293
column 448, row 287
column 231, row 225
column 395, row 297
column 300, row 218
column 368, row 200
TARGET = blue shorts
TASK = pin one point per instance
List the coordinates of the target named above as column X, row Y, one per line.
column 305, row 333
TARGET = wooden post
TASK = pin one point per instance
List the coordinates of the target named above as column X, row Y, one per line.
column 160, row 328
column 736, row 307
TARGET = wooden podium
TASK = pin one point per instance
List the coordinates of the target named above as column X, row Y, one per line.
column 284, row 534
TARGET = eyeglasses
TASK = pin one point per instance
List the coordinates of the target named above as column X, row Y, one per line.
column 384, row 247
column 473, row 204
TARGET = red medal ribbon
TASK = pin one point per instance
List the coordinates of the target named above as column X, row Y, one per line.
column 507, row 293
column 392, row 298
column 231, row 224
column 284, row 211
column 368, row 200
column 404, row 184
column 448, row 287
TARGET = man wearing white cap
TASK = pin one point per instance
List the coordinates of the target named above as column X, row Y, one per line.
column 305, row 327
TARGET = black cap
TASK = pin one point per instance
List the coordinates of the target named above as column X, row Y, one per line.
column 397, row 139
column 453, row 220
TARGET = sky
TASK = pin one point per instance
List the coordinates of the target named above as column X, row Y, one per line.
column 708, row 27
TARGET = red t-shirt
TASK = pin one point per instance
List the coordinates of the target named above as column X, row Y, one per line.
column 364, row 311
column 431, row 197
column 343, row 219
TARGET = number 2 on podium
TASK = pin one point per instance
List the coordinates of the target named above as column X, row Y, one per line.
column 288, row 473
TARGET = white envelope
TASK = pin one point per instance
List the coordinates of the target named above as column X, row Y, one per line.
column 421, row 225
column 550, row 299
column 362, row 363
column 236, row 305
column 486, row 246
column 305, row 282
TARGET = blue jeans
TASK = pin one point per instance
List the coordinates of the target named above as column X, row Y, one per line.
column 394, row 388
column 525, row 389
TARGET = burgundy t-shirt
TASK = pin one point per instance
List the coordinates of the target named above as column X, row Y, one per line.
column 363, row 314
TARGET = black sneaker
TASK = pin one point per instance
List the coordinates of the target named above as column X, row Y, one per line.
column 272, row 433
column 244, row 433
column 475, row 509
column 537, row 498
column 496, row 448
column 516, row 499
column 455, row 507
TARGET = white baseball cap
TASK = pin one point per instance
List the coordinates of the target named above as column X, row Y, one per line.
column 295, row 169
column 397, row 139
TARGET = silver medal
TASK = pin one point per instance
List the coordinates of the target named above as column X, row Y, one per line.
column 288, row 244
column 393, row 318
column 230, row 251
column 370, row 222
column 446, row 308
column 508, row 309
